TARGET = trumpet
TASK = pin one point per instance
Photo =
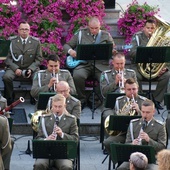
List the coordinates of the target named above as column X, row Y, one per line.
column 56, row 76
column 121, row 82
column 132, row 111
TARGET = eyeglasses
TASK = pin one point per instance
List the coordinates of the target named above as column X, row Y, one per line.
column 62, row 91
column 24, row 29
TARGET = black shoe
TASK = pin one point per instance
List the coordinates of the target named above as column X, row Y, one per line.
column 83, row 104
column 105, row 152
column 32, row 100
column 158, row 105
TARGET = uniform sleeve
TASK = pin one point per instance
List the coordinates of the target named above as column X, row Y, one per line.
column 128, row 136
column 76, row 111
column 36, row 89
column 160, row 143
column 71, row 44
column 73, row 131
column 106, row 85
column 71, row 84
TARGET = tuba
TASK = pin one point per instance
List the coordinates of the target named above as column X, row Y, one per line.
column 158, row 38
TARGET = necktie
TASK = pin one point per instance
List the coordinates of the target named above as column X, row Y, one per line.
column 57, row 120
column 23, row 43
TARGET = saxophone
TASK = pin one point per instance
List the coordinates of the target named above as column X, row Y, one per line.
column 158, row 38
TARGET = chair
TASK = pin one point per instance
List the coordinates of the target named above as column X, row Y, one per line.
column 109, row 104
column 55, row 150
column 121, row 152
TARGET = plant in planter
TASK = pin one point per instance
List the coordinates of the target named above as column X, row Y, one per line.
column 134, row 17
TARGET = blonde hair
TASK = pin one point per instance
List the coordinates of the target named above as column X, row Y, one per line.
column 59, row 97
column 163, row 158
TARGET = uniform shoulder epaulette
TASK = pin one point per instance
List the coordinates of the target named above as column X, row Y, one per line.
column 107, row 71
column 64, row 70
column 69, row 115
column 120, row 97
column 41, row 71
column 74, row 99
column 13, row 37
column 135, row 120
column 130, row 70
column 139, row 32
column 142, row 97
column 35, row 38
column 160, row 122
column 2, row 99
column 46, row 115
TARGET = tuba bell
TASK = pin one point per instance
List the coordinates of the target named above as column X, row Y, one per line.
column 158, row 38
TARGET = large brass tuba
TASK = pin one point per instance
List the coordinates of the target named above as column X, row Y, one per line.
column 158, row 38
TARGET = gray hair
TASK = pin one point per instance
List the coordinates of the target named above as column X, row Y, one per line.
column 139, row 160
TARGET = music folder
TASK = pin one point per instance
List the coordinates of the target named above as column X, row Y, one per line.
column 4, row 47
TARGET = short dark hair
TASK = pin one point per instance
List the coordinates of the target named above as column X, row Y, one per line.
column 53, row 57
column 131, row 81
column 151, row 21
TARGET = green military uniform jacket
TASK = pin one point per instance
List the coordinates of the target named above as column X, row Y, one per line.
column 73, row 106
column 5, row 140
column 3, row 103
column 122, row 100
column 32, row 54
column 87, row 38
column 108, row 77
column 67, row 123
column 42, row 79
column 155, row 129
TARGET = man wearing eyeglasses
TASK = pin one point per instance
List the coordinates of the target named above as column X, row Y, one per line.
column 23, row 59
column 73, row 105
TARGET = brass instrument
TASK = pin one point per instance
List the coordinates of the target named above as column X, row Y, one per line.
column 121, row 88
column 35, row 118
column 56, row 76
column 126, row 110
column 21, row 99
column 158, row 38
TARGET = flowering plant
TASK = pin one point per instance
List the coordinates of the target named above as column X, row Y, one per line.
column 45, row 19
column 133, row 19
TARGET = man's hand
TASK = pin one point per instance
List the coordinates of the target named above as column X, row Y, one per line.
column 73, row 53
column 18, row 72
column 144, row 136
column 29, row 72
column 51, row 137
column 53, row 80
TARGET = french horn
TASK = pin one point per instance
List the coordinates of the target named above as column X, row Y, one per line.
column 158, row 38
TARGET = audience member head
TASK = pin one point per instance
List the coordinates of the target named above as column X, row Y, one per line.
column 58, row 104
column 119, row 61
column 149, row 28
column 148, row 109
column 62, row 87
column 163, row 158
column 131, row 88
column 94, row 25
column 53, row 63
column 24, row 29
column 138, row 161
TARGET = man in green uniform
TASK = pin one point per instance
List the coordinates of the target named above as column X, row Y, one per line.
column 5, row 144
column 45, row 80
column 66, row 129
column 23, row 59
column 129, row 104
column 73, row 105
column 146, row 131
column 88, row 35
column 141, row 39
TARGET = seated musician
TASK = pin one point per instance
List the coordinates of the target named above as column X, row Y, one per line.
column 146, row 131
column 73, row 105
column 58, row 125
column 129, row 104
column 3, row 102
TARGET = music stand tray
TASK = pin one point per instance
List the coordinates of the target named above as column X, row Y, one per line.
column 4, row 47
column 94, row 52
column 43, row 98
column 120, row 122
column 122, row 152
column 47, row 149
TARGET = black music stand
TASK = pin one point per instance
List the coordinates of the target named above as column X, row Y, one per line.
column 152, row 55
column 94, row 52
column 4, row 47
column 122, row 152
column 46, row 149
column 43, row 98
